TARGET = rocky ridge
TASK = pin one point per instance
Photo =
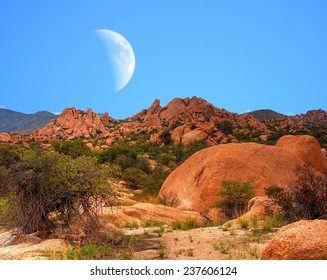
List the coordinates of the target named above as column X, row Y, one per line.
column 188, row 120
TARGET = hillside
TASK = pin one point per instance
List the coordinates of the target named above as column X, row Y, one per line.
column 18, row 122
column 266, row 114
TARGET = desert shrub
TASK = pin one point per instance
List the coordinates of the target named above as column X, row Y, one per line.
column 275, row 220
column 149, row 183
column 45, row 190
column 189, row 223
column 225, row 126
column 181, row 153
column 7, row 156
column 243, row 223
column 124, row 161
column 134, row 176
column 90, row 251
column 152, row 183
column 284, row 198
column 165, row 158
column 234, row 197
column 73, row 148
column 165, row 136
column 110, row 154
column 310, row 192
column 305, row 198
column 177, row 224
column 170, row 199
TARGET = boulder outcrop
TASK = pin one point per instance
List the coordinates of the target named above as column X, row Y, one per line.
column 5, row 137
column 194, row 185
column 306, row 148
column 303, row 240
column 259, row 206
column 73, row 123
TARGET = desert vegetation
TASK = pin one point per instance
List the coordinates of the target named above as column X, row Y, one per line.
column 305, row 199
column 235, row 196
column 60, row 191
column 42, row 190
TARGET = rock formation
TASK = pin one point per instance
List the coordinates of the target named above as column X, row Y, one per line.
column 5, row 137
column 73, row 123
column 303, row 240
column 306, row 148
column 147, row 212
column 259, row 206
column 194, row 184
column 190, row 120
column 313, row 119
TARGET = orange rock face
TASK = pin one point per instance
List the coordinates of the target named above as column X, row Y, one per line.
column 73, row 123
column 143, row 212
column 306, row 148
column 183, row 115
column 303, row 240
column 259, row 206
column 5, row 137
column 194, row 184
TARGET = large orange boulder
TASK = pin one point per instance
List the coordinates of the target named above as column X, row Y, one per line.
column 194, row 184
column 305, row 147
column 303, row 240
column 5, row 137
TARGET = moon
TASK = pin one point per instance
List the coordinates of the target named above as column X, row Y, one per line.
column 121, row 56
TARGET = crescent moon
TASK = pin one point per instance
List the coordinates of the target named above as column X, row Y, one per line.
column 121, row 55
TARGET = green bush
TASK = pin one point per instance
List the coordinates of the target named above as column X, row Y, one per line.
column 225, row 126
column 110, row 154
column 73, row 148
column 165, row 137
column 189, row 223
column 152, row 183
column 276, row 220
column 234, row 197
column 243, row 223
column 134, row 176
column 45, row 190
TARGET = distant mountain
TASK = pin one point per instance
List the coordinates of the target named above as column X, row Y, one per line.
column 266, row 114
column 12, row 121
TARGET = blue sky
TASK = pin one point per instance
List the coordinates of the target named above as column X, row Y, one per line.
column 239, row 55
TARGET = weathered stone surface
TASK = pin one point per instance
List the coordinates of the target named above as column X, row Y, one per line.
column 143, row 212
column 194, row 184
column 259, row 206
column 303, row 240
column 5, row 137
column 305, row 147
column 195, row 135
column 28, row 247
column 73, row 123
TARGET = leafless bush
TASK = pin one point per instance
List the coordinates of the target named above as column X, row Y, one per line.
column 306, row 198
column 45, row 190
